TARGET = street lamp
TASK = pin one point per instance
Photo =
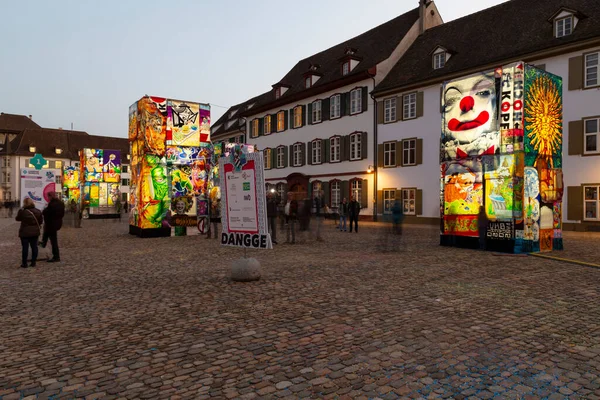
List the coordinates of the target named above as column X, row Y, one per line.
column 370, row 169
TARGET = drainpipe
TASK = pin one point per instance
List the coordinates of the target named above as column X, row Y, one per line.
column 375, row 161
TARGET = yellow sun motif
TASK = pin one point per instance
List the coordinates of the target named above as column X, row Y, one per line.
column 544, row 116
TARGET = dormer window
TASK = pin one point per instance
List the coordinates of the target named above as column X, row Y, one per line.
column 280, row 89
column 277, row 93
column 439, row 57
column 232, row 113
column 563, row 26
column 307, row 82
column 346, row 68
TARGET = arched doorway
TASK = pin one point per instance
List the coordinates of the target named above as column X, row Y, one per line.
column 298, row 185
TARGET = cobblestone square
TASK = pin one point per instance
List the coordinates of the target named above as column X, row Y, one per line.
column 124, row 317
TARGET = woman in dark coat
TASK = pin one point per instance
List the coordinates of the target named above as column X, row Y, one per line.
column 31, row 219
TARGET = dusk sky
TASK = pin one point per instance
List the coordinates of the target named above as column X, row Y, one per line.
column 85, row 61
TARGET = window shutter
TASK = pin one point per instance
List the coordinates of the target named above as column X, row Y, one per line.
column 309, row 145
column 380, row 155
column 309, row 116
column 344, row 190
column 292, row 119
column 345, row 104
column 261, row 126
column 364, row 196
column 400, row 112
column 291, row 155
column 419, row 202
column 380, row 202
column 273, row 158
column 441, row 99
column 273, row 123
column 304, row 118
column 343, row 146
column 325, row 150
column 380, row 105
column 419, row 104
column 399, row 153
column 325, row 110
column 419, row 151
column 576, row 73
column 325, row 188
column 286, row 157
column 574, row 203
column 364, row 98
column 364, row 145
column 575, row 138
column 286, row 120
column 303, row 154
column 251, row 128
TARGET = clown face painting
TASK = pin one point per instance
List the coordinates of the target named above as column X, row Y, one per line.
column 469, row 127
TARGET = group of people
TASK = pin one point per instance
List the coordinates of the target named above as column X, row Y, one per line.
column 294, row 212
column 9, row 205
column 34, row 223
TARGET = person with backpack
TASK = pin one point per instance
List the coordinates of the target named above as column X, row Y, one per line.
column 31, row 220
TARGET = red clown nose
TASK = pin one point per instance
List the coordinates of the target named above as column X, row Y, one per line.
column 466, row 104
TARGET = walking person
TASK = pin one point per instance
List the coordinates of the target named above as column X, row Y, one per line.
column 53, row 215
column 353, row 212
column 343, row 210
column 31, row 219
column 272, row 216
column 398, row 217
column 291, row 214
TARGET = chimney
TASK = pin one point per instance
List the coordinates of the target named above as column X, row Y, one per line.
column 422, row 8
column 60, row 128
column 29, row 116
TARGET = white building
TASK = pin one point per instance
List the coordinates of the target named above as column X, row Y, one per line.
column 316, row 126
column 560, row 36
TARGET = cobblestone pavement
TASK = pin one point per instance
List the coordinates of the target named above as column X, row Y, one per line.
column 124, row 317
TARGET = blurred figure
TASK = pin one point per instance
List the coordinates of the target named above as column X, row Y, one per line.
column 343, row 210
column 398, row 217
column 482, row 223
column 291, row 214
column 272, row 215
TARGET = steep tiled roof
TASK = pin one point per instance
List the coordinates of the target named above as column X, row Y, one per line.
column 372, row 47
column 14, row 122
column 509, row 30
column 227, row 124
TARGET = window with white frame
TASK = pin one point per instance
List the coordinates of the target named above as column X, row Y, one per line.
column 281, row 191
column 267, row 129
column 355, row 101
column 124, row 168
column 297, row 117
column 564, row 26
column 389, row 107
column 307, row 82
column 410, row 106
column 356, row 189
column 297, row 149
column 389, row 154
column 335, row 188
column 281, row 157
column 591, row 136
column 6, row 162
column 255, row 126
column 316, row 151
column 346, row 68
column 408, row 201
column 355, row 146
column 439, row 60
column 7, row 195
column 335, row 106
column 6, row 177
column 591, row 203
column 267, row 157
column 316, row 188
column 316, row 111
column 409, row 152
column 591, row 69
column 389, row 197
column 335, row 149
column 280, row 121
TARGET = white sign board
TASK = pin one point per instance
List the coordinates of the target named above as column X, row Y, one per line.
column 243, row 208
column 38, row 184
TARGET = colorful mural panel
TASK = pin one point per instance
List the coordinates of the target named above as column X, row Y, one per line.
column 71, row 177
column 461, row 225
column 111, row 165
column 183, row 122
column 152, row 124
column 93, row 165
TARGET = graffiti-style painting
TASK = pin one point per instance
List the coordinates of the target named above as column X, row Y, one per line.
column 154, row 197
column 204, row 123
column 501, row 148
column 182, row 155
column 184, row 123
column 93, row 165
column 152, row 125
column 111, row 165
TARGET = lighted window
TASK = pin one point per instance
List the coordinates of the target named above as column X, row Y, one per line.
column 410, row 106
column 255, row 126
column 591, row 203
column 267, row 157
column 409, row 152
column 298, row 117
column 389, row 107
column 356, row 189
column 316, row 111
column 591, row 135
column 564, row 26
column 389, row 154
column 355, row 101
column 335, row 106
column 408, row 201
column 280, row 121
column 316, row 151
column 355, row 146
column 591, row 69
column 267, row 124
column 58, row 164
column 334, row 149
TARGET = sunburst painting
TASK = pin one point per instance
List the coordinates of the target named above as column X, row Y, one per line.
column 543, row 118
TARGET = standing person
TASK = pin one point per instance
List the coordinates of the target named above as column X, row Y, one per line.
column 53, row 215
column 272, row 216
column 215, row 218
column 398, row 216
column 318, row 209
column 482, row 223
column 353, row 211
column 31, row 218
column 291, row 213
column 343, row 210
column 11, row 206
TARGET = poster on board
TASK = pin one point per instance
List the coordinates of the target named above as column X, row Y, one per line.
column 243, row 209
column 38, row 184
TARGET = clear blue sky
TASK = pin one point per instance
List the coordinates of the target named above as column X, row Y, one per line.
column 85, row 61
